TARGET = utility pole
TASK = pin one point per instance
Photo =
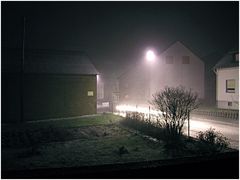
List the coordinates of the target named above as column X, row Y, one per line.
column 188, row 124
column 149, row 113
column 22, row 73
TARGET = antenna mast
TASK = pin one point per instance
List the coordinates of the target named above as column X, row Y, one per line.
column 22, row 72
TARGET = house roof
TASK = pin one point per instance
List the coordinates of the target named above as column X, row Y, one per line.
column 50, row 62
column 227, row 61
column 182, row 44
column 161, row 52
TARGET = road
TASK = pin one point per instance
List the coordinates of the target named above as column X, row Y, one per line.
column 229, row 128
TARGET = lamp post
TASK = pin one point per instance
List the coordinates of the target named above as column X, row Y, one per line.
column 150, row 57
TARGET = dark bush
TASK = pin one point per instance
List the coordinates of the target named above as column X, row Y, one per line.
column 135, row 116
column 136, row 121
column 174, row 145
column 122, row 150
column 212, row 141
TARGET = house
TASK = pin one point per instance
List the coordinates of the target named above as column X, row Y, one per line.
column 55, row 84
column 227, row 81
column 175, row 66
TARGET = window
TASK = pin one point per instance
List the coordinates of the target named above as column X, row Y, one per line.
column 169, row 59
column 90, row 93
column 229, row 103
column 230, row 86
column 185, row 60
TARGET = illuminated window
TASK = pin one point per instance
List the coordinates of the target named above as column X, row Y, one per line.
column 230, row 86
column 169, row 59
column 90, row 93
column 185, row 60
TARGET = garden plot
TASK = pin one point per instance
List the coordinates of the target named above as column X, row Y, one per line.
column 85, row 146
column 89, row 141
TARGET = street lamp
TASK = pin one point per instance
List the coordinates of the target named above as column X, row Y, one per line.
column 150, row 57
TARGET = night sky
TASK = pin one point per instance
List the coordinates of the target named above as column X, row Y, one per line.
column 116, row 34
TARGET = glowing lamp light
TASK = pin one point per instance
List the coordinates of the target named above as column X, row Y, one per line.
column 150, row 55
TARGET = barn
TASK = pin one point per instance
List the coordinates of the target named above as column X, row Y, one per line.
column 54, row 84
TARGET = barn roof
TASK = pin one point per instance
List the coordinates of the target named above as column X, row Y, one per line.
column 227, row 61
column 50, row 62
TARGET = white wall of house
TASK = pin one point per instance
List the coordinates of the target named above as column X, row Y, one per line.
column 178, row 72
column 227, row 100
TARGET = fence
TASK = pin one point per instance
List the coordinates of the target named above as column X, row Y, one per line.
column 152, row 114
column 230, row 114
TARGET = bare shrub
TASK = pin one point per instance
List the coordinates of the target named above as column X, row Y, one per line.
column 212, row 141
column 137, row 121
column 175, row 103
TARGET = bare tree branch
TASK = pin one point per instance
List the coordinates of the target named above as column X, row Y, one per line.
column 175, row 105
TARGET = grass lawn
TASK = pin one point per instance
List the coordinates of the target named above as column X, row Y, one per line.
column 84, row 152
column 85, row 141
column 98, row 119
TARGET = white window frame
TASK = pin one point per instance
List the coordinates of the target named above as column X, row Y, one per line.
column 230, row 89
